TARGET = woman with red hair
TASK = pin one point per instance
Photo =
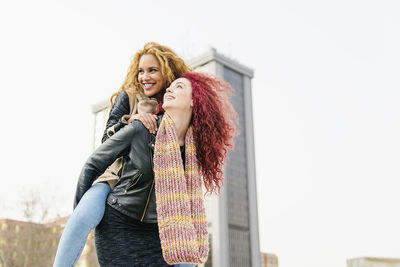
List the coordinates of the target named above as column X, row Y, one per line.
column 213, row 125
column 189, row 151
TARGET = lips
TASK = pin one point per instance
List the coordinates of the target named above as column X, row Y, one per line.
column 168, row 97
column 148, row 86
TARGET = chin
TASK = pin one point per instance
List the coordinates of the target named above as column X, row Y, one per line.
column 165, row 106
column 152, row 93
column 148, row 94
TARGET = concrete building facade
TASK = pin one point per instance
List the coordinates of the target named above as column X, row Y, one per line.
column 269, row 260
column 35, row 244
column 373, row 262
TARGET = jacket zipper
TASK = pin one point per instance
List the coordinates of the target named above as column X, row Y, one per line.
column 147, row 203
column 135, row 180
column 152, row 185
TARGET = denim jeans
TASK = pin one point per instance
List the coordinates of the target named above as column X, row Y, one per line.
column 86, row 216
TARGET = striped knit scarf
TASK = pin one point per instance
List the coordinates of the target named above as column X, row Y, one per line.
column 180, row 205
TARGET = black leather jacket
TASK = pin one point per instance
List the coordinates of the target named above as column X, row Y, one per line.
column 119, row 108
column 133, row 195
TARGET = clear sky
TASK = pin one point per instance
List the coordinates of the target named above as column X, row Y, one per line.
column 326, row 96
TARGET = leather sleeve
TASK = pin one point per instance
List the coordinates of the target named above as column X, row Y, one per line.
column 103, row 157
column 115, row 122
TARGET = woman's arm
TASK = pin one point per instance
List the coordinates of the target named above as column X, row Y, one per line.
column 120, row 116
column 115, row 120
column 102, row 157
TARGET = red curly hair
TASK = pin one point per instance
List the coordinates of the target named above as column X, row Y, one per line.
column 214, row 126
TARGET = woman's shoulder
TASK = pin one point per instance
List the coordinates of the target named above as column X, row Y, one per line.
column 139, row 126
column 122, row 97
column 121, row 105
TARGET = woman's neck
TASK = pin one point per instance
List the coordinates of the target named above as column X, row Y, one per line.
column 159, row 95
column 181, row 122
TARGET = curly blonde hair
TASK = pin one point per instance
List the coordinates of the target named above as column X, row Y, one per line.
column 172, row 67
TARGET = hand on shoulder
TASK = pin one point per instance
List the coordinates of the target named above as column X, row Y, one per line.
column 149, row 121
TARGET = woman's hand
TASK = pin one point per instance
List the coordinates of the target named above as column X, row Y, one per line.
column 149, row 121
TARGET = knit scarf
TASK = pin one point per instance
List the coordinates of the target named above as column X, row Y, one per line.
column 180, row 204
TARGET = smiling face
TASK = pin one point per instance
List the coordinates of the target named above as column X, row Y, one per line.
column 150, row 76
column 178, row 96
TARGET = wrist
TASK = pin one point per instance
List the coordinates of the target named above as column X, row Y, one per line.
column 125, row 119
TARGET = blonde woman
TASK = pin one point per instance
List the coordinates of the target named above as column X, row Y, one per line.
column 151, row 71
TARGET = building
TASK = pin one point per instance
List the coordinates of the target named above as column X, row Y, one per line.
column 233, row 219
column 27, row 243
column 269, row 260
column 35, row 244
column 373, row 262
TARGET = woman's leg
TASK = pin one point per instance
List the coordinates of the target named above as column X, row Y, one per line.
column 85, row 217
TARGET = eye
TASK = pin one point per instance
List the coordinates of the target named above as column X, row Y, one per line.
column 140, row 71
column 153, row 70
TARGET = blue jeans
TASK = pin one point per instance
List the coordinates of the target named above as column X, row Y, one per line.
column 86, row 216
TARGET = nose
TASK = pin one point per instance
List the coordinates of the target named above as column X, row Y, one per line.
column 169, row 89
column 145, row 75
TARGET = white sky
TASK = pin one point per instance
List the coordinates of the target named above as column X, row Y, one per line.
column 326, row 97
